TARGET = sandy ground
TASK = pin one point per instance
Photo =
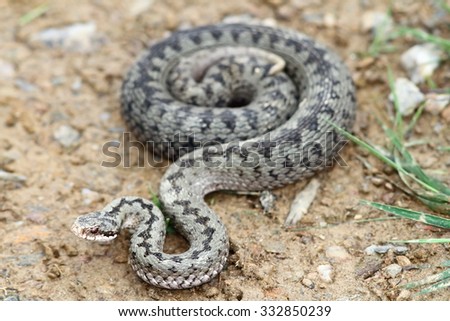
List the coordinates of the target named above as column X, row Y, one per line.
column 48, row 92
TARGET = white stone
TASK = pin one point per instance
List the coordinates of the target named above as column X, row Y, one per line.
column 408, row 94
column 373, row 20
column 90, row 196
column 66, row 135
column 325, row 273
column 382, row 249
column 420, row 61
column 435, row 103
column 136, row 7
column 6, row 176
column 79, row 37
column 6, row 70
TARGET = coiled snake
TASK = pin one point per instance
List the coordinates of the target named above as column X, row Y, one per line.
column 277, row 95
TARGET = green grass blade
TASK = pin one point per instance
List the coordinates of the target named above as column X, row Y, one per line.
column 415, row 118
column 33, row 14
column 154, row 198
column 412, row 215
column 443, row 4
column 374, row 151
column 429, row 279
column 381, row 38
column 435, row 287
column 398, row 124
column 396, row 165
column 422, row 35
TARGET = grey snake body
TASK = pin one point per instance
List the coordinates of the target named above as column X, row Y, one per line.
column 285, row 91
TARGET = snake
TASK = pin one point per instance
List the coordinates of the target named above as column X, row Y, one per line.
column 236, row 107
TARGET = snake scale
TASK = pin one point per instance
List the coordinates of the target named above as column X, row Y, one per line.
column 276, row 94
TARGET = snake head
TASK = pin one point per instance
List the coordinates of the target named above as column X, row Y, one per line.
column 95, row 227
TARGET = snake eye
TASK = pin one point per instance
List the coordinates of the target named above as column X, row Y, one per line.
column 94, row 230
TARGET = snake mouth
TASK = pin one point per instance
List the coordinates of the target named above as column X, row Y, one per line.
column 93, row 234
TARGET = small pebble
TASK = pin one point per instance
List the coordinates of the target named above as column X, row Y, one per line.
column 90, row 197
column 275, row 247
column 369, row 269
column 76, row 85
column 25, row 85
column 403, row 260
column 376, row 181
column 267, row 200
column 313, row 18
column 54, row 272
column 136, row 7
column 323, row 224
column 409, row 96
column 337, row 253
column 388, row 170
column 308, row 283
column 7, row 70
column 364, row 187
column 297, row 275
column 382, row 249
column 325, row 273
column 248, row 19
column 389, row 186
column 393, row 270
column 11, row 177
column 79, row 37
column 436, row 103
column 438, row 127
column 329, row 20
column 373, row 20
column 4, row 273
column 388, row 198
column 66, row 135
column 105, row 117
column 420, row 61
column 285, row 12
column 404, row 295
